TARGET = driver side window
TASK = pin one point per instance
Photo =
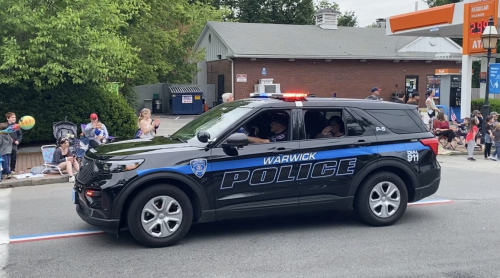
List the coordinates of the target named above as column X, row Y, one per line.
column 268, row 126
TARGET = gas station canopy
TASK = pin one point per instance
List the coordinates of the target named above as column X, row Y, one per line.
column 448, row 21
column 466, row 20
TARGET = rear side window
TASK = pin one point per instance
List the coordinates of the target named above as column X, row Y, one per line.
column 398, row 121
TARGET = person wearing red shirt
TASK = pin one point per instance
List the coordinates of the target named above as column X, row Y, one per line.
column 442, row 128
column 471, row 138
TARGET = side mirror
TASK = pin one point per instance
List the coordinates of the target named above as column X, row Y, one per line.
column 203, row 136
column 236, row 140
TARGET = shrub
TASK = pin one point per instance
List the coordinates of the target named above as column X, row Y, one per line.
column 477, row 104
column 70, row 102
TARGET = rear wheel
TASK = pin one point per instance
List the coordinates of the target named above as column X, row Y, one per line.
column 382, row 199
column 160, row 216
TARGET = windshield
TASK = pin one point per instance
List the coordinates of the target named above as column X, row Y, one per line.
column 215, row 121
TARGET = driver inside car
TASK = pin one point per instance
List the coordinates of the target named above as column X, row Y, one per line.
column 279, row 132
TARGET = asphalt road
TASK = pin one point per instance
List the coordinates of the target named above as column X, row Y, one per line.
column 458, row 239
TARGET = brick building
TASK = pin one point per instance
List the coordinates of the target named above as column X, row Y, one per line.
column 321, row 59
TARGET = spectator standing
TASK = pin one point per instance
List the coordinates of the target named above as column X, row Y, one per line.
column 17, row 137
column 432, row 109
column 488, row 140
column 375, row 94
column 495, row 117
column 400, row 99
column 471, row 138
column 5, row 150
column 413, row 98
column 496, row 139
column 227, row 97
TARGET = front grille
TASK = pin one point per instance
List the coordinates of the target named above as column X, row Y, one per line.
column 87, row 172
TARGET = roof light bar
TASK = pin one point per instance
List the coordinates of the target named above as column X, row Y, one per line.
column 284, row 96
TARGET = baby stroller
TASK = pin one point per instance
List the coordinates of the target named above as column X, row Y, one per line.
column 69, row 130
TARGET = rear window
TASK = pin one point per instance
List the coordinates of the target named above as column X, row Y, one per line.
column 399, row 121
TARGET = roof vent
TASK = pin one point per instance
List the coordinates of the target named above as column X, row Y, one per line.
column 381, row 22
column 327, row 18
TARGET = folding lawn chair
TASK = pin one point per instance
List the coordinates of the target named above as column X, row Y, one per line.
column 48, row 155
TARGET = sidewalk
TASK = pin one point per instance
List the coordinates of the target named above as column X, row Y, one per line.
column 26, row 159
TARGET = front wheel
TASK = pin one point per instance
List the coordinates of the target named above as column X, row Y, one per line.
column 382, row 199
column 160, row 216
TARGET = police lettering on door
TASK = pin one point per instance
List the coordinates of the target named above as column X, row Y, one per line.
column 277, row 169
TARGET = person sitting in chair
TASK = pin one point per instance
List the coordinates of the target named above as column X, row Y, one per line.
column 94, row 139
column 64, row 159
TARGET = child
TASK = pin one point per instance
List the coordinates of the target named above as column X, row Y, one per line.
column 5, row 150
column 471, row 138
column 496, row 139
column 487, row 138
column 100, row 132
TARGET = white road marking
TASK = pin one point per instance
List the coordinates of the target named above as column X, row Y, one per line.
column 4, row 229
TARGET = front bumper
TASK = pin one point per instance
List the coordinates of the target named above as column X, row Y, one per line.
column 107, row 225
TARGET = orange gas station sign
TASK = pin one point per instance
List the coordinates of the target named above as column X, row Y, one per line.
column 476, row 17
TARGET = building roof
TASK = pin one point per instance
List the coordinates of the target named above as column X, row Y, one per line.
column 261, row 40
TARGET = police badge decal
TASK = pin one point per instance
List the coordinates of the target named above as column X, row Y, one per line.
column 199, row 166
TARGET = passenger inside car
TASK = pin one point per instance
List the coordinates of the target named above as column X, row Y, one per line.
column 335, row 128
column 315, row 122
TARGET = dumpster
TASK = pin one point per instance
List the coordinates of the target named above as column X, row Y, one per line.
column 186, row 100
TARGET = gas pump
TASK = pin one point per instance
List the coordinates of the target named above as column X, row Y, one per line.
column 450, row 90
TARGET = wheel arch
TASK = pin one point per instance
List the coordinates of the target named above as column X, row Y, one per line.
column 195, row 193
column 402, row 170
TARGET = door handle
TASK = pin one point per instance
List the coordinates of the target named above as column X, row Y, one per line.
column 282, row 150
column 362, row 143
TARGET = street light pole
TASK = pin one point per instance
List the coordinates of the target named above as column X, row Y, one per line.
column 489, row 40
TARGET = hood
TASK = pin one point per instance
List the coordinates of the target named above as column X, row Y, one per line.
column 123, row 149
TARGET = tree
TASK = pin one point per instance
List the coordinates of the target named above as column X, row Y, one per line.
column 166, row 34
column 45, row 43
column 273, row 11
column 373, row 25
column 347, row 18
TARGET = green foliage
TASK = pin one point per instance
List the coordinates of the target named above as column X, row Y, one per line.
column 477, row 104
column 71, row 102
column 298, row 12
column 435, row 3
column 45, row 43
column 165, row 34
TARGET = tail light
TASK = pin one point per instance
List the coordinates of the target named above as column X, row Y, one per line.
column 432, row 143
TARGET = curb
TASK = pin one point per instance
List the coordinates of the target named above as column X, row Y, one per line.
column 463, row 153
column 5, row 183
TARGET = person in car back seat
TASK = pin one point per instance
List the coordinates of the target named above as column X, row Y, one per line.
column 335, row 128
column 279, row 131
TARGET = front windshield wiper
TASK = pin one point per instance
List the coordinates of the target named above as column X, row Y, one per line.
column 179, row 139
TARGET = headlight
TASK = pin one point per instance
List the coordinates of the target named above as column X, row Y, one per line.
column 118, row 166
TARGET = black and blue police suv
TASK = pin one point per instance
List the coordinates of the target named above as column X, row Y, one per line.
column 270, row 154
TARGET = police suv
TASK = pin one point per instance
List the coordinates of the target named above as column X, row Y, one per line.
column 266, row 155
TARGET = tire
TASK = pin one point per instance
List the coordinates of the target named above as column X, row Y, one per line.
column 165, row 201
column 380, row 182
